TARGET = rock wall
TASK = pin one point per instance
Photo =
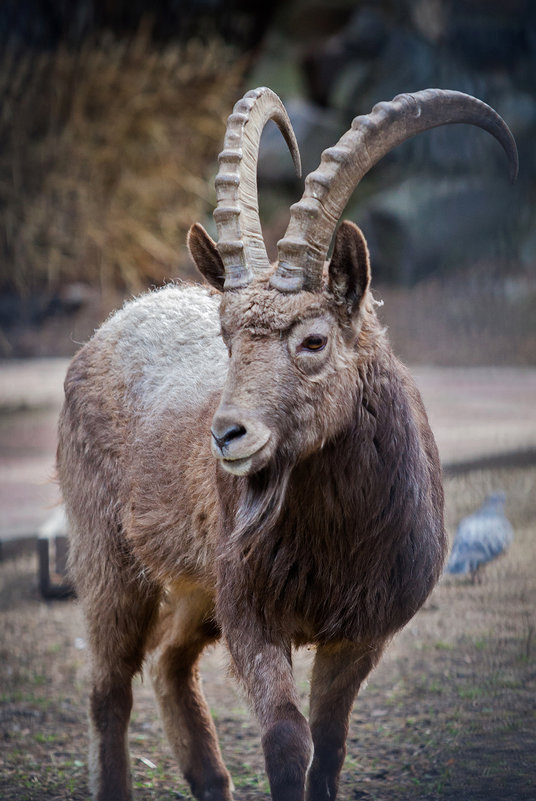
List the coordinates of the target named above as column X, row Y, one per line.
column 442, row 200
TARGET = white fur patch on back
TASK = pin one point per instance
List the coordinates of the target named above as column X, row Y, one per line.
column 168, row 348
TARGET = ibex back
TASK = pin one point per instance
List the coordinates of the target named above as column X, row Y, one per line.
column 274, row 484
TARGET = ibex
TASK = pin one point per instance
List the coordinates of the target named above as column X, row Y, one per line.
column 253, row 463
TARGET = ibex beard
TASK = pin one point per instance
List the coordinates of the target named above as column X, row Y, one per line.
column 251, row 462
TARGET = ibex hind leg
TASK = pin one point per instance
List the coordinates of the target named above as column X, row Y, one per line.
column 118, row 624
column 186, row 626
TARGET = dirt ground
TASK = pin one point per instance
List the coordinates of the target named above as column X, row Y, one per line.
column 450, row 713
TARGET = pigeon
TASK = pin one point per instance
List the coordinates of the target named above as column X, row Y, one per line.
column 481, row 537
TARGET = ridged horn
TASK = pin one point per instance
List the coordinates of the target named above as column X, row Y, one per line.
column 240, row 242
column 304, row 248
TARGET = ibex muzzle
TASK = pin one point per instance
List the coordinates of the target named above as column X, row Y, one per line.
column 240, row 440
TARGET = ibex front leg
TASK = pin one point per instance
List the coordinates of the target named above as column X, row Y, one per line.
column 337, row 675
column 266, row 670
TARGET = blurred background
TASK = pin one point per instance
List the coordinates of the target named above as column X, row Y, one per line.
column 113, row 113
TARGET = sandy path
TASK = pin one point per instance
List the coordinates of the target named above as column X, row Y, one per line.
column 474, row 413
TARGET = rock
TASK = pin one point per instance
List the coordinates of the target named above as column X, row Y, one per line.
column 421, row 226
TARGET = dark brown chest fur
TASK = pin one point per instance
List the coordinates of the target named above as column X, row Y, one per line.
column 357, row 544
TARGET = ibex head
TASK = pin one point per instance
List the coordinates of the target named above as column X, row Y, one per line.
column 298, row 331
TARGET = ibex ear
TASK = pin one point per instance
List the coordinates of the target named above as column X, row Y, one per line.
column 204, row 252
column 349, row 268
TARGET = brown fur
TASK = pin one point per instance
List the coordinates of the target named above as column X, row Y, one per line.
column 331, row 535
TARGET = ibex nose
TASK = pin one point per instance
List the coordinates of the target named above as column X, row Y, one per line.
column 240, row 440
column 225, row 432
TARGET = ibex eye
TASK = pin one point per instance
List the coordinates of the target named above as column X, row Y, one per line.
column 314, row 342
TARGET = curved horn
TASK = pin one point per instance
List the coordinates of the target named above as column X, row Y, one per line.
column 240, row 241
column 304, row 247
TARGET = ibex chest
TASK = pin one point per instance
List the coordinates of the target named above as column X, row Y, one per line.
column 320, row 587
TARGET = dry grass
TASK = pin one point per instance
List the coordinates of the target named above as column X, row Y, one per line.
column 104, row 159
